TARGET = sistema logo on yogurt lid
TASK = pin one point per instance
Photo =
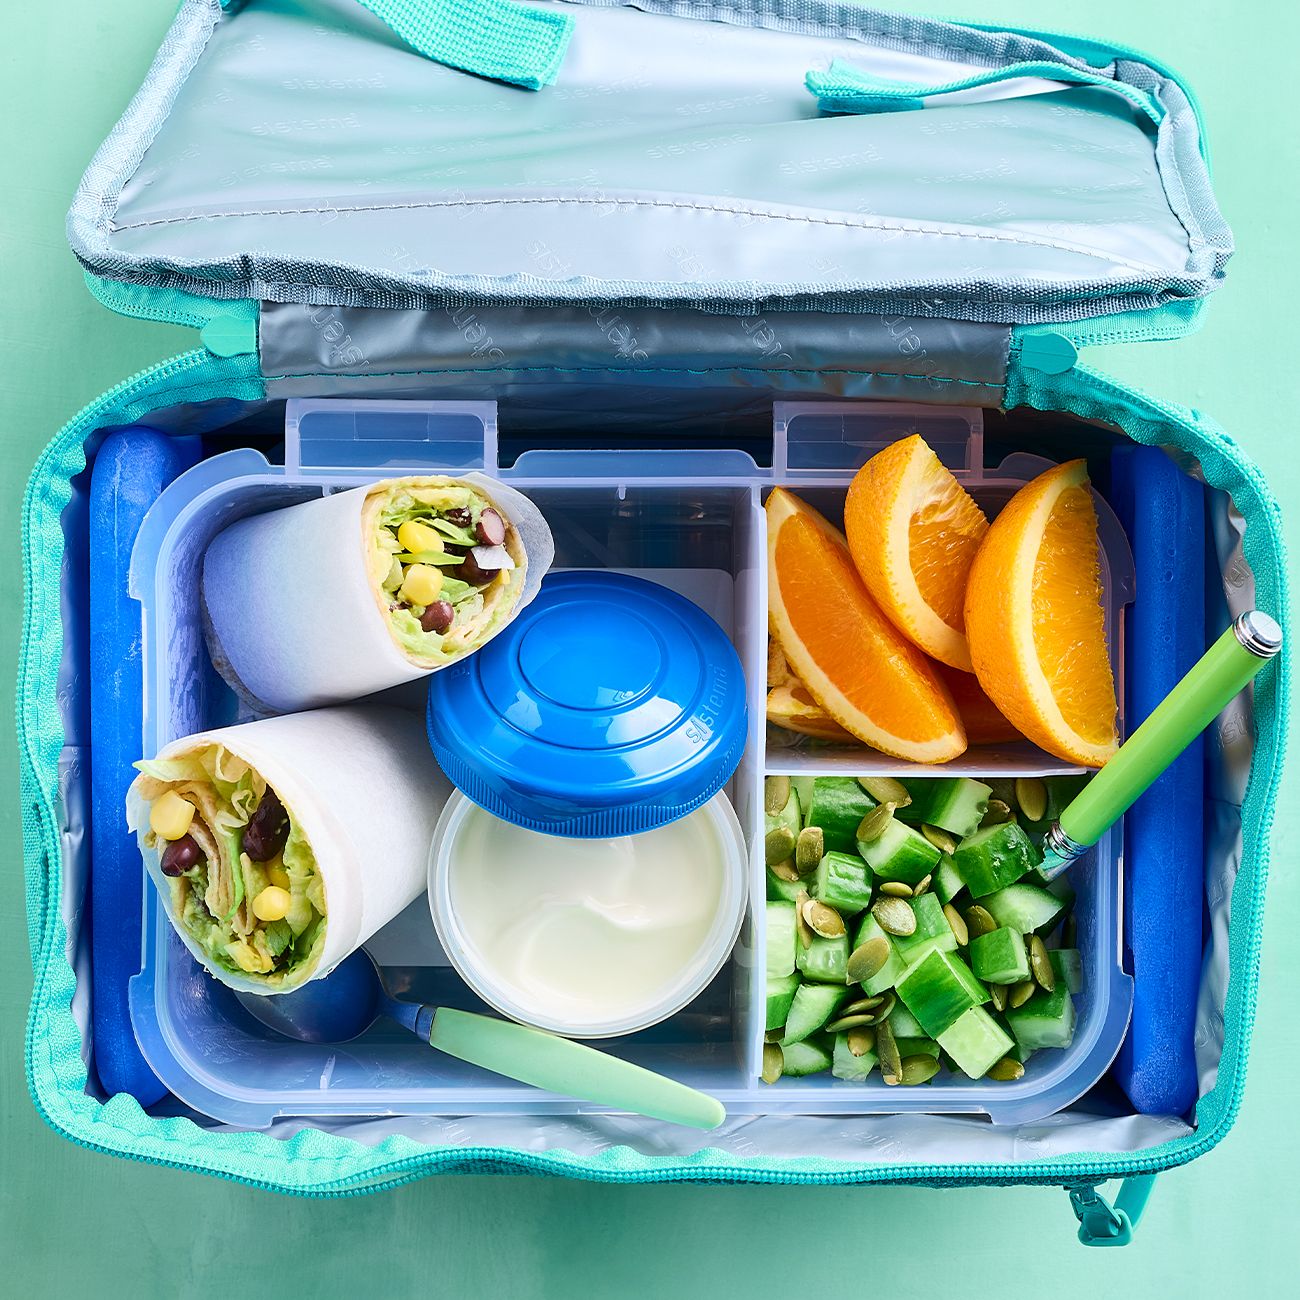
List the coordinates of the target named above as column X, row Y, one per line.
column 611, row 705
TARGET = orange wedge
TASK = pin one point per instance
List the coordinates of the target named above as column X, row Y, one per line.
column 1034, row 618
column 982, row 719
column 914, row 530
column 854, row 662
column 791, row 707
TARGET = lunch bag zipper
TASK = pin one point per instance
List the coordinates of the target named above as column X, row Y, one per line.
column 1079, row 1176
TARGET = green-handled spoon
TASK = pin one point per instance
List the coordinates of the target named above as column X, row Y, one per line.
column 1223, row 670
column 346, row 1002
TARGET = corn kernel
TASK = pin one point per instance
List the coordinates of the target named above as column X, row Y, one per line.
column 415, row 537
column 272, row 904
column 277, row 875
column 422, row 584
column 171, row 816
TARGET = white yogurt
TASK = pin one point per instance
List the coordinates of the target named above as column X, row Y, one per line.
column 588, row 937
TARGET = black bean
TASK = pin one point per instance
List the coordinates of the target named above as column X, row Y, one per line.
column 491, row 528
column 180, row 855
column 437, row 617
column 267, row 828
column 468, row 570
column 459, row 516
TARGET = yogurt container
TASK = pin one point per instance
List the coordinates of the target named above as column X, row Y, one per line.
column 587, row 937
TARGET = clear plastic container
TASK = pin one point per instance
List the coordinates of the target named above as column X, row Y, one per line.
column 722, row 825
column 692, row 520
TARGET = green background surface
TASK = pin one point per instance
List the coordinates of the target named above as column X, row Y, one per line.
column 73, row 1223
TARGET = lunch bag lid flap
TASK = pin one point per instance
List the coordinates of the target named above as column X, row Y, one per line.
column 755, row 156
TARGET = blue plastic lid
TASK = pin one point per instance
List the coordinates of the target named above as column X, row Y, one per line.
column 611, row 705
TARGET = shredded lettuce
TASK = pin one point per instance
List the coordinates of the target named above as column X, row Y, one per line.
column 273, row 949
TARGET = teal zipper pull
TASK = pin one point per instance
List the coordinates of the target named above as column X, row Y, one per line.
column 842, row 88
column 1048, row 353
column 230, row 336
column 1103, row 1224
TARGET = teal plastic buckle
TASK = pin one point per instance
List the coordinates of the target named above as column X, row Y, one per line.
column 1103, row 1224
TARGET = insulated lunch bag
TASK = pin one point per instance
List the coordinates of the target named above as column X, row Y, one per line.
column 644, row 260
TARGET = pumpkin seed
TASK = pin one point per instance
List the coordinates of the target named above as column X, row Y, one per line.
column 1031, row 795
column 888, row 1001
column 1021, row 993
column 785, row 870
column 868, row 959
column 773, row 1062
column 891, row 1063
column 861, row 1005
column 776, row 793
column 894, row 916
column 1007, row 1070
column 956, row 925
column 875, row 823
column 778, row 845
column 802, row 928
column 939, row 837
column 809, row 849
column 998, row 992
column 822, row 919
column 885, row 789
column 1041, row 964
column 849, row 1022
column 861, row 1040
column 979, row 920
column 918, row 1069
column 895, row 889
column 921, row 886
column 998, row 812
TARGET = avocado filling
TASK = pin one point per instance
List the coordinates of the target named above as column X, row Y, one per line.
column 243, row 880
column 442, row 560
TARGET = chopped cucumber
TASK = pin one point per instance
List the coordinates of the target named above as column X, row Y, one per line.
column 939, row 989
column 889, row 974
column 843, row 880
column 779, row 890
column 901, row 853
column 947, row 879
column 839, row 803
column 975, row 1041
column 955, row 803
column 781, row 941
column 904, row 1023
column 803, row 787
column 787, row 817
column 995, row 857
column 780, row 994
column 1026, row 908
column 1000, row 957
column 1046, row 1020
column 824, row 960
column 844, row 1065
column 807, row 1057
column 814, row 1005
column 1068, row 964
column 932, row 930
column 917, row 1047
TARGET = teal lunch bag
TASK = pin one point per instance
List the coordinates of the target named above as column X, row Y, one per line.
column 632, row 226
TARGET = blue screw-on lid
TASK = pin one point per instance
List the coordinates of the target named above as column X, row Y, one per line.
column 610, row 705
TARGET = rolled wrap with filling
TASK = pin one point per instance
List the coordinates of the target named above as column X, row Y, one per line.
column 279, row 847
column 335, row 598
